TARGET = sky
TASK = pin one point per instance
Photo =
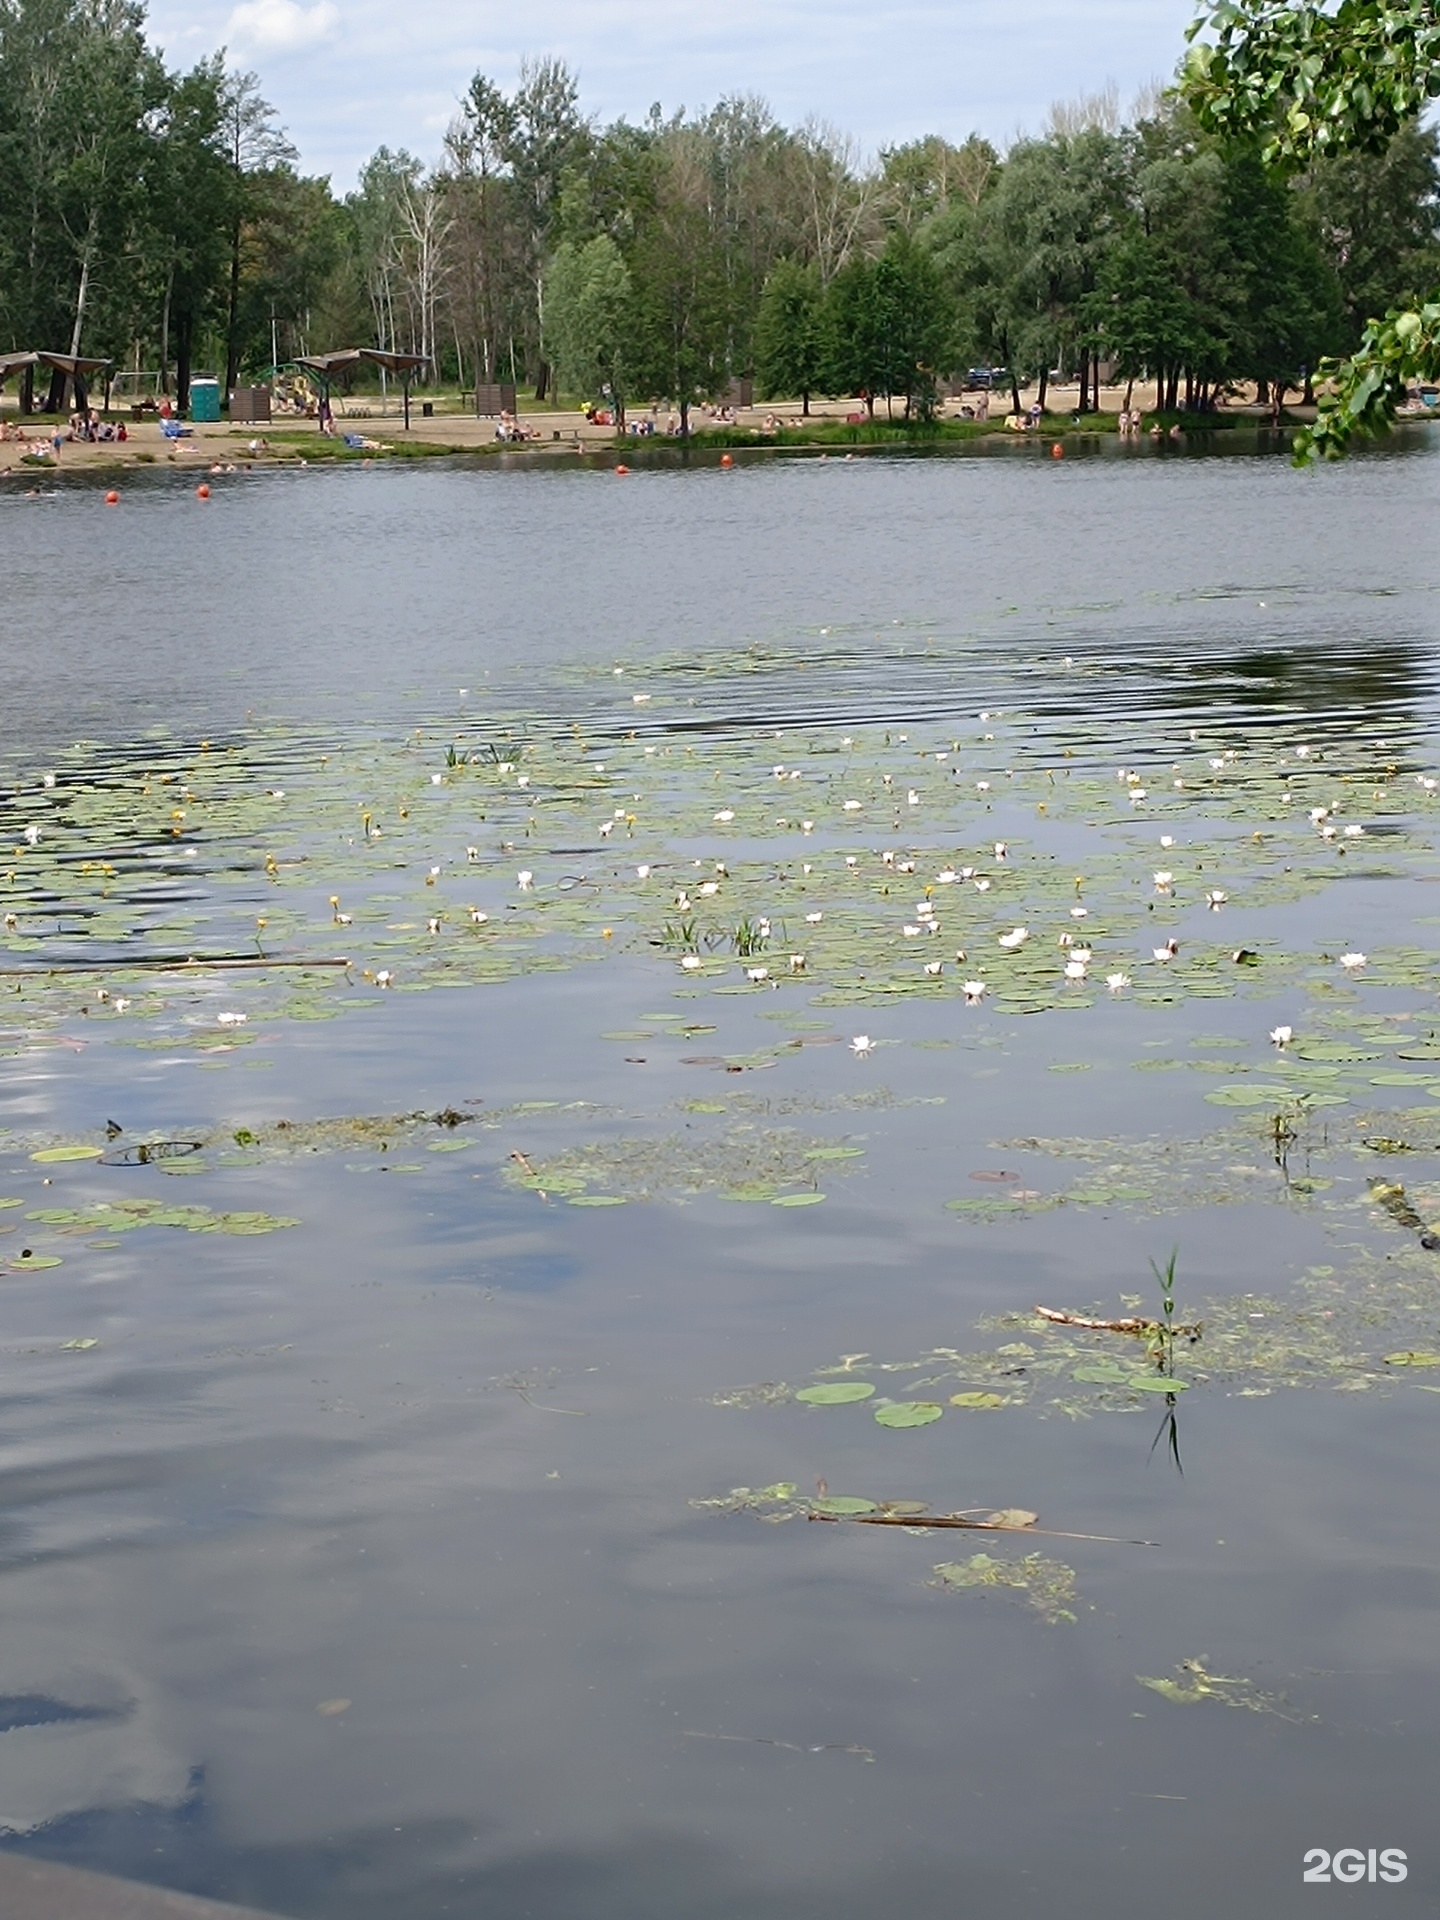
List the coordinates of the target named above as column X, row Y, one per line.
column 348, row 76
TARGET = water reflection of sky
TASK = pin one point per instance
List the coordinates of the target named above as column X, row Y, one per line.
column 431, row 1452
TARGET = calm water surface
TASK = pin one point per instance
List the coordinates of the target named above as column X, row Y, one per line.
column 353, row 1570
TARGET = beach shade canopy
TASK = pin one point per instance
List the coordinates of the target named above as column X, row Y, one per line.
column 328, row 364
column 76, row 367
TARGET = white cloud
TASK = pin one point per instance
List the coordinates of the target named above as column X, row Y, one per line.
column 282, row 26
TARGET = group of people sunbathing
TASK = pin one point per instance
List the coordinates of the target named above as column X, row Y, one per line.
column 508, row 428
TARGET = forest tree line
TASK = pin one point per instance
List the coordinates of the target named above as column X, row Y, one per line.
column 162, row 218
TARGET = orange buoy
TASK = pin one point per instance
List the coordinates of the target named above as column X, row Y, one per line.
column 726, row 461
column 202, row 492
column 112, row 499
column 1057, row 452
column 622, row 469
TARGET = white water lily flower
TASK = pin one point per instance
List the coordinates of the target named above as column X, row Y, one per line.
column 1168, row 951
column 912, row 798
column 1079, row 913
column 1427, row 783
column 974, row 992
column 905, row 866
column 762, row 927
column 32, row 834
column 1317, row 814
column 946, row 877
column 851, row 860
column 1075, row 970
column 1001, row 850
column 850, row 806
column 478, row 918
column 807, row 826
column 1352, row 962
column 640, row 699
column 384, row 978
column 814, row 919
column 1016, row 938
column 1327, row 833
column 725, row 814
column 982, row 886
column 1282, row 1036
column 911, row 933
column 230, row 1019
column 120, row 1004
column 888, row 779
column 861, row 1045
column 1217, row 764
column 522, row 780
column 1164, row 882
column 982, row 786
column 690, row 962
column 797, row 963
column 709, row 887
column 436, row 779
column 525, row 879
column 472, row 854
column 924, row 910
column 47, row 780
column 1216, row 899
column 887, row 859
column 433, row 925
column 757, row 973
column 1167, row 839
column 934, row 966
column 1065, row 940
column 1353, row 833
column 1302, row 753
column 1139, row 793
column 605, row 829
column 1117, row 982
column 1083, row 954
column 642, row 873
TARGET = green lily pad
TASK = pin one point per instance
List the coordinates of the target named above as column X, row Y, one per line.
column 1246, row 1094
column 835, row 1393
column 978, row 1400
column 1102, row 1373
column 596, row 1200
column 48, row 1156
column 26, row 1262
column 908, row 1413
column 843, row 1503
column 797, row 1199
column 10, row 1203
column 1155, row 1383
column 1412, row 1358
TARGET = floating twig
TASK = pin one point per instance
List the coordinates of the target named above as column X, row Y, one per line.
column 919, row 1520
column 790, row 1746
column 1132, row 1324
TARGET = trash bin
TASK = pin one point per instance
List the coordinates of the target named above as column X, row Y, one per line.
column 205, row 400
column 427, row 409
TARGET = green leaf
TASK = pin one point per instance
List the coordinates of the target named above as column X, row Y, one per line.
column 978, row 1400
column 908, row 1413
column 48, row 1156
column 835, row 1393
column 1155, row 1383
column 1246, row 1094
column 1412, row 1358
column 843, row 1503
column 596, row 1200
column 797, row 1199
column 23, row 1263
column 1100, row 1373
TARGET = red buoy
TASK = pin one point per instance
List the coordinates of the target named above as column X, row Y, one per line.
column 726, row 461
column 112, row 499
column 622, row 469
column 1057, row 452
column 202, row 492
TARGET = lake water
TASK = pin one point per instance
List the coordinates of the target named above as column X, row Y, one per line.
column 369, row 1454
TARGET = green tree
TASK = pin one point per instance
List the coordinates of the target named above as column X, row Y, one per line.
column 889, row 327
column 681, row 309
column 1307, row 81
column 789, row 334
column 588, row 320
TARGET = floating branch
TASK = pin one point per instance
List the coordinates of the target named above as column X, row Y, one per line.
column 1143, row 1329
